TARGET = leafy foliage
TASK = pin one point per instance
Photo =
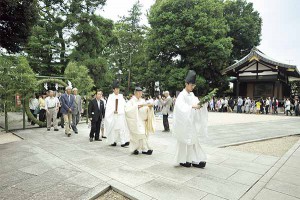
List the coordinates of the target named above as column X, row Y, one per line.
column 245, row 27
column 16, row 20
column 79, row 76
column 190, row 34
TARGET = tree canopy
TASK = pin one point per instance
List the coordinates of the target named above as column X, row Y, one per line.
column 245, row 27
column 190, row 34
column 16, row 20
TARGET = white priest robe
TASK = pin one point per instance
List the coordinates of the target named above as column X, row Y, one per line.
column 115, row 125
column 188, row 125
column 140, row 124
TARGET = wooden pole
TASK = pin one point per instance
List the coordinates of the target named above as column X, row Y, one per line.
column 23, row 102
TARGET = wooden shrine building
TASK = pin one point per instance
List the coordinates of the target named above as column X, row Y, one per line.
column 257, row 75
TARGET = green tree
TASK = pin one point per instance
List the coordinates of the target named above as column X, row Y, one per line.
column 16, row 77
column 92, row 33
column 189, row 34
column 16, row 20
column 128, row 53
column 49, row 44
column 245, row 27
column 79, row 77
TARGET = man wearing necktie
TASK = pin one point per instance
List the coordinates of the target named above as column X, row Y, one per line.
column 77, row 110
column 67, row 108
column 96, row 113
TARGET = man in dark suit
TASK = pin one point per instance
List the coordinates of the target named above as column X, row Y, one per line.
column 96, row 114
column 67, row 108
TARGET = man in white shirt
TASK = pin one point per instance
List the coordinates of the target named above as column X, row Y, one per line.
column 33, row 106
column 51, row 107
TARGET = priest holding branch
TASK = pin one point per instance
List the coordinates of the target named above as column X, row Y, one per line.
column 115, row 123
column 190, row 122
column 140, row 121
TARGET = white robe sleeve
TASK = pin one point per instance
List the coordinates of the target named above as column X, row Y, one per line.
column 189, row 124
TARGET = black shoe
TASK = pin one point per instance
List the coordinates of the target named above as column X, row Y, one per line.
column 200, row 165
column 48, row 129
column 114, row 144
column 136, row 152
column 69, row 135
column 104, row 137
column 56, row 129
column 91, row 139
column 149, row 152
column 187, row 164
column 127, row 143
column 98, row 140
column 123, row 145
column 166, row 130
column 76, row 132
column 62, row 126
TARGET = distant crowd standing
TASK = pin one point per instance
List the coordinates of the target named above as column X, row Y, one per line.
column 256, row 106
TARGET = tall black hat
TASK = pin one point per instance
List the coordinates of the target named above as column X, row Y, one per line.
column 191, row 77
column 116, row 84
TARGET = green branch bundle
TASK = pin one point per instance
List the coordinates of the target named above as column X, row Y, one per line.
column 208, row 97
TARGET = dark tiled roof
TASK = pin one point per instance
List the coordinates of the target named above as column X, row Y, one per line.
column 263, row 57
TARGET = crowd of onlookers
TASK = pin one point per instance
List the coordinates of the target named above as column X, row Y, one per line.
column 258, row 106
column 289, row 106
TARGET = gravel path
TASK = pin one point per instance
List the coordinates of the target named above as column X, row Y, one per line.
column 112, row 195
column 273, row 147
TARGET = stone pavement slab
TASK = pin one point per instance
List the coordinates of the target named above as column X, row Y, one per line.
column 164, row 189
column 49, row 165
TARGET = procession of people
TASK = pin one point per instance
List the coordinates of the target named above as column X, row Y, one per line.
column 130, row 122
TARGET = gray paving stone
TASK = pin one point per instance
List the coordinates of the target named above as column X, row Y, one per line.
column 174, row 173
column 220, row 187
column 12, row 178
column 212, row 197
column 36, row 184
column 246, row 166
column 253, row 191
column 286, row 188
column 270, row 194
column 8, row 167
column 61, row 191
column 238, row 155
column 139, row 162
column 287, row 178
column 14, row 194
column 36, row 169
column 293, row 161
column 130, row 176
column 85, row 180
column 290, row 170
column 246, row 178
column 266, row 160
column 129, row 192
column 163, row 189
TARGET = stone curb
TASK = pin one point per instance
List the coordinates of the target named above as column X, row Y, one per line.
column 261, row 183
column 257, row 140
column 128, row 191
column 95, row 192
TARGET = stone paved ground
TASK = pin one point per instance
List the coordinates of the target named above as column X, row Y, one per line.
column 49, row 165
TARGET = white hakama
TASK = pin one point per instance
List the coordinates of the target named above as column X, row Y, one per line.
column 188, row 126
column 115, row 125
column 140, row 124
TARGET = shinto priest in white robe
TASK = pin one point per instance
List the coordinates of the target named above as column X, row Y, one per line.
column 115, row 125
column 140, row 123
column 189, row 125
